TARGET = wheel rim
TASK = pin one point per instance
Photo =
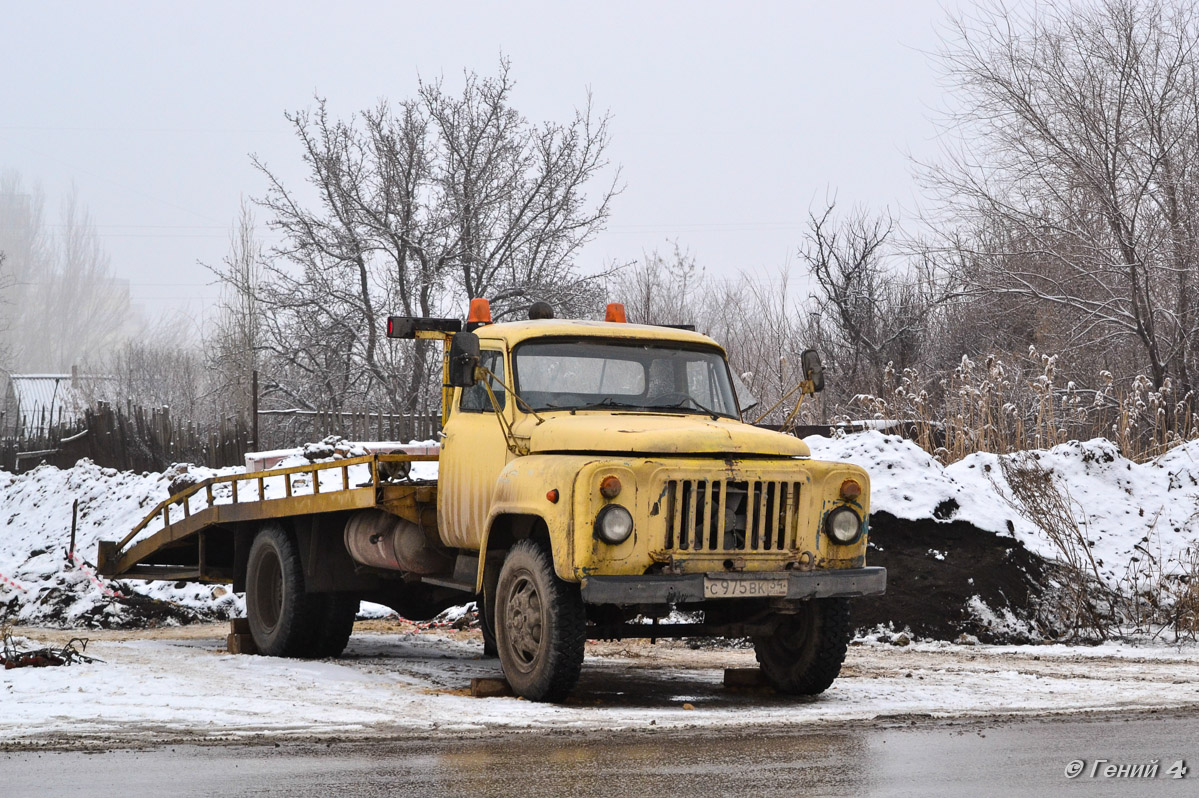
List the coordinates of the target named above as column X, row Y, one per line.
column 524, row 622
column 792, row 639
column 268, row 590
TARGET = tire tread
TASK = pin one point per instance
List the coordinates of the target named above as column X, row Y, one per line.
column 820, row 663
column 554, row 682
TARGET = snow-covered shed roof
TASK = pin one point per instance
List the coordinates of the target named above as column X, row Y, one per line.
column 37, row 401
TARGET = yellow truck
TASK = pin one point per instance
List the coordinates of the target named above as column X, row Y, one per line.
column 592, row 479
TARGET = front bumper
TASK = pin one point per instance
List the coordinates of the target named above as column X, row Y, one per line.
column 685, row 588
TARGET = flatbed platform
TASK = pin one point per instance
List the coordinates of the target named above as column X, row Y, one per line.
column 173, row 540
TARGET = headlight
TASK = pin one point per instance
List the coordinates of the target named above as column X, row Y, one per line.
column 843, row 525
column 614, row 524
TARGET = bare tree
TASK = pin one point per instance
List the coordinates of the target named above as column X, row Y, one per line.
column 1075, row 185
column 870, row 306
column 6, row 284
column 660, row 289
column 236, row 337
column 158, row 367
column 420, row 206
column 64, row 304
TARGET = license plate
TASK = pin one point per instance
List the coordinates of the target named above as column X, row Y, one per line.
column 716, row 587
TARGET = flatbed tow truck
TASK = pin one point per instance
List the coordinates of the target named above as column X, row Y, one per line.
column 593, row 477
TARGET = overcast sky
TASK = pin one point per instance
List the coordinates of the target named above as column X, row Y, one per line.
column 730, row 120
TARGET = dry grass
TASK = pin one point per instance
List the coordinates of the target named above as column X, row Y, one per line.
column 1004, row 407
column 1085, row 607
column 1160, row 594
column 1011, row 407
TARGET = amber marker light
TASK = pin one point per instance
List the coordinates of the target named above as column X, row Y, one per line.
column 552, row 496
column 480, row 312
column 610, row 487
column 615, row 312
column 850, row 490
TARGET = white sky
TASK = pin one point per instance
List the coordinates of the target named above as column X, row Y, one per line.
column 730, row 120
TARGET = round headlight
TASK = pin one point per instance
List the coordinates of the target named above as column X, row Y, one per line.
column 843, row 526
column 614, row 524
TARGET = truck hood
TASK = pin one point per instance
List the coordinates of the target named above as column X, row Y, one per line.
column 653, row 433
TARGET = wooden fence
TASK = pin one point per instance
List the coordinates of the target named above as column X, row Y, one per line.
column 280, row 429
column 133, row 438
column 141, row 439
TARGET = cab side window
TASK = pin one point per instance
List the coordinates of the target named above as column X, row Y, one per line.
column 474, row 399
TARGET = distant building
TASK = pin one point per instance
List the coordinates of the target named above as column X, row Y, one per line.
column 36, row 403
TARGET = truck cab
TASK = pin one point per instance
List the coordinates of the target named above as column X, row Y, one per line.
column 604, row 476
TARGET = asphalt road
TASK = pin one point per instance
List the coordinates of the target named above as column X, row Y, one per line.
column 885, row 757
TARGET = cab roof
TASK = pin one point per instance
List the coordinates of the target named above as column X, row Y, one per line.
column 514, row 332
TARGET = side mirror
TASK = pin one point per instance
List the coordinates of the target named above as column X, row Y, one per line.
column 813, row 369
column 463, row 358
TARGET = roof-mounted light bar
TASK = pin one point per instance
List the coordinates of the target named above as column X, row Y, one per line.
column 412, row 326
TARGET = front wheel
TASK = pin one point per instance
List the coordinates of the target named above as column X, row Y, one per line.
column 540, row 625
column 486, row 611
column 805, row 653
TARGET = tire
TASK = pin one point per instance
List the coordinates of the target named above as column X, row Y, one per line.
column 540, row 625
column 335, row 623
column 805, row 653
column 486, row 610
column 283, row 617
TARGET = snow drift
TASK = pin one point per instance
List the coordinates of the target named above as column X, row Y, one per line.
column 1125, row 507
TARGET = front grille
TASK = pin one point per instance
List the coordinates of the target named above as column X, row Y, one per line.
column 718, row 515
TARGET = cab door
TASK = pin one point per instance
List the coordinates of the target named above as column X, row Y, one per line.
column 473, row 452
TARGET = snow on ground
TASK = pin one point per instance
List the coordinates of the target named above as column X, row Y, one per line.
column 39, row 584
column 183, row 686
column 1124, row 505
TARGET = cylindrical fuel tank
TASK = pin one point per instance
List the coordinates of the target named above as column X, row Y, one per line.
column 383, row 540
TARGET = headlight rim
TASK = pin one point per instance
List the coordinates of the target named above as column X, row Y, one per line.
column 828, row 526
column 599, row 528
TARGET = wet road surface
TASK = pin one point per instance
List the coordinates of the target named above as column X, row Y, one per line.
column 885, row 757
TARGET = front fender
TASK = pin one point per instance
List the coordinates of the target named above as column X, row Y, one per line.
column 521, row 489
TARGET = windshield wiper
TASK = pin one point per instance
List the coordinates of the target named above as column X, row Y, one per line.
column 682, row 405
column 608, row 401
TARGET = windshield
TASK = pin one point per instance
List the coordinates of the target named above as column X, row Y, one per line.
column 580, row 375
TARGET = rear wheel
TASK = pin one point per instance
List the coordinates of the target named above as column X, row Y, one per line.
column 540, row 625
column 805, row 653
column 335, row 623
column 282, row 616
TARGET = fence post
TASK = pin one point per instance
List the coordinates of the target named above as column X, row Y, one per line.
column 254, row 409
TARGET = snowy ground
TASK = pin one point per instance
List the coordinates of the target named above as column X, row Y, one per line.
column 1135, row 514
column 180, row 685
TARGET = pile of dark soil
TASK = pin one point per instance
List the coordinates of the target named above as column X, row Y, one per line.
column 938, row 572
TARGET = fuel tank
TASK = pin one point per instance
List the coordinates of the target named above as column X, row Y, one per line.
column 383, row 540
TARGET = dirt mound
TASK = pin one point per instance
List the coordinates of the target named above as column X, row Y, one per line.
column 949, row 578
